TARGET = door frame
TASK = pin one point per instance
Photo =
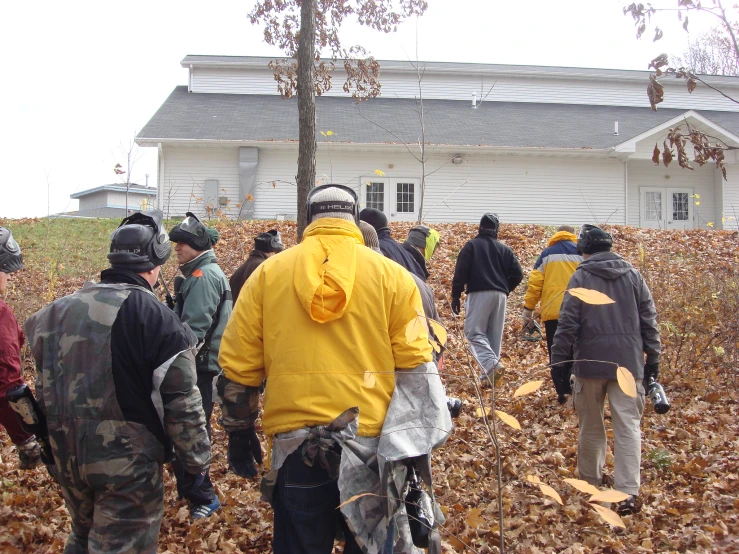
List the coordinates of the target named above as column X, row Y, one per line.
column 390, row 199
column 666, row 221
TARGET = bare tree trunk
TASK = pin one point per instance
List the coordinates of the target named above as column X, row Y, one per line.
column 306, row 176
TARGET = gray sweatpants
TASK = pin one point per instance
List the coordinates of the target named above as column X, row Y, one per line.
column 588, row 396
column 483, row 325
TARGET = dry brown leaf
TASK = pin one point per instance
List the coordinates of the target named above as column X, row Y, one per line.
column 355, row 497
column 508, row 419
column 480, row 412
column 590, row 296
column 439, row 331
column 582, row 486
column 369, row 379
column 609, row 495
column 608, row 515
column 528, row 388
column 549, row 491
column 626, row 381
column 474, row 518
column 415, row 328
column 533, row 479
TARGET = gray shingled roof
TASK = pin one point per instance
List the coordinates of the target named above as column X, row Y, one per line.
column 117, row 187
column 241, row 117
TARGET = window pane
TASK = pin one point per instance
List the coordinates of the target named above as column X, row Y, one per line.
column 680, row 206
column 406, row 197
column 376, row 196
column 653, row 206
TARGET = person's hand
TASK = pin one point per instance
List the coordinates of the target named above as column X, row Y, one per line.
column 456, row 306
column 526, row 316
column 651, row 372
column 561, row 379
column 244, row 452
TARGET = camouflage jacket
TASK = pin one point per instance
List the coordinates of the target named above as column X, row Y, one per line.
column 115, row 372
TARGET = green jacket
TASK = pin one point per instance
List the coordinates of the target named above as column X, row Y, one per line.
column 204, row 290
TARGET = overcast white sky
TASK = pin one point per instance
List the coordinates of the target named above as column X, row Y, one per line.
column 81, row 78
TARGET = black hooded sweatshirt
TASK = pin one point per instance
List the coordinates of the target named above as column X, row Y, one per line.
column 484, row 263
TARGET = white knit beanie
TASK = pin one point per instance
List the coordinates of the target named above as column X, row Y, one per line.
column 332, row 194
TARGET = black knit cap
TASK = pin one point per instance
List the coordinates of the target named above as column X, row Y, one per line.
column 592, row 240
column 374, row 217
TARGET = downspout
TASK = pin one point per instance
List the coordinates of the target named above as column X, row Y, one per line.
column 160, row 175
column 189, row 79
column 626, row 192
column 248, row 162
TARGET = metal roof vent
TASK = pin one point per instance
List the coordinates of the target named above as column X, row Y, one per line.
column 615, row 128
column 474, row 99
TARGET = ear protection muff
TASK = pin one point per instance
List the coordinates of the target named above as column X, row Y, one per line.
column 316, row 208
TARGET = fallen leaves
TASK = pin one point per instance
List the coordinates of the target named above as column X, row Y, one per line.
column 626, row 381
column 528, row 388
column 590, row 296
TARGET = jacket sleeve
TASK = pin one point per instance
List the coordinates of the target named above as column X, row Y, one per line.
column 568, row 327
column 236, row 282
column 462, row 270
column 240, row 404
column 535, row 285
column 11, row 341
column 241, row 354
column 405, row 311
column 184, row 419
column 200, row 305
column 515, row 273
column 648, row 324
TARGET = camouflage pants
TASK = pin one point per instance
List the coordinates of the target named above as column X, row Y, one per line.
column 112, row 487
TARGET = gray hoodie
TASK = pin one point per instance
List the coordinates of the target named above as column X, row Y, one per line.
column 621, row 332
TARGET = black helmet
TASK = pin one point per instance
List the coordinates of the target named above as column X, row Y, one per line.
column 192, row 232
column 271, row 241
column 490, row 221
column 592, row 239
column 11, row 258
column 140, row 243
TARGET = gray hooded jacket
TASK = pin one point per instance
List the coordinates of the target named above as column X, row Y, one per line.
column 620, row 332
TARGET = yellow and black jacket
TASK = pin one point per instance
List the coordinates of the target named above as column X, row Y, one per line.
column 552, row 271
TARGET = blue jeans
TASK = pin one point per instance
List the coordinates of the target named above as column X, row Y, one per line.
column 306, row 517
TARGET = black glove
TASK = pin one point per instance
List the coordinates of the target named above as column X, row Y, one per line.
column 561, row 379
column 191, row 482
column 651, row 372
column 456, row 306
column 243, row 450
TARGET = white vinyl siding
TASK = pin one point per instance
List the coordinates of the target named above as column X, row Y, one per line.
column 184, row 171
column 544, row 190
column 643, row 173
column 460, row 86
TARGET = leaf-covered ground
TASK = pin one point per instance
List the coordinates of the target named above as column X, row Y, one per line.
column 690, row 462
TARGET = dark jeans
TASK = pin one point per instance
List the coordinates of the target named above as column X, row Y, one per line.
column 205, row 494
column 306, row 517
column 564, row 369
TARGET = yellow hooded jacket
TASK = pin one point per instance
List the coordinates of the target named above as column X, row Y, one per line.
column 551, row 274
column 325, row 322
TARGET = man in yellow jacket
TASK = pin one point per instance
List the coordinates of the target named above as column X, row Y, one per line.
column 325, row 322
column 547, row 282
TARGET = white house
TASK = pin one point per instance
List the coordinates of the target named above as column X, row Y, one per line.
column 113, row 200
column 535, row 144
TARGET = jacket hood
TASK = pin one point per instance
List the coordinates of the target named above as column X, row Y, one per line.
column 326, row 267
column 560, row 236
column 606, row 265
column 205, row 258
